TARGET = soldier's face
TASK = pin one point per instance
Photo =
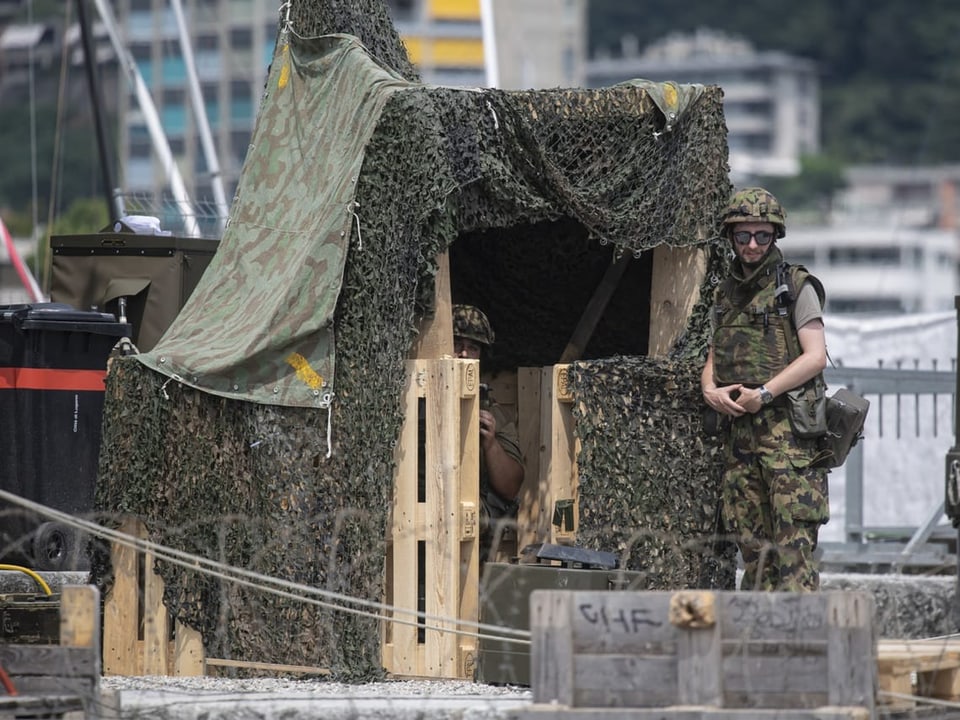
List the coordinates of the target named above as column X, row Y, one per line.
column 759, row 237
column 466, row 348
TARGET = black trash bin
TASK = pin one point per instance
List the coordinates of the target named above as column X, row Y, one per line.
column 53, row 362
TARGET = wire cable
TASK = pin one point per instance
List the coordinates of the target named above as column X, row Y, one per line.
column 27, row 571
column 276, row 586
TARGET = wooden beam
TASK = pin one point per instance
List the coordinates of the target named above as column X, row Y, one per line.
column 674, row 290
column 267, row 667
column 121, row 607
column 594, row 310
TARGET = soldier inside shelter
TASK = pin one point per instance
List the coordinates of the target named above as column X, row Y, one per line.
column 763, row 375
column 501, row 462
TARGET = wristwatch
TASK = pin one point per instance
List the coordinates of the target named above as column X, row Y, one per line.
column 765, row 395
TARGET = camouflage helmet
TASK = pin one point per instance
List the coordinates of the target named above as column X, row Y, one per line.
column 470, row 322
column 755, row 205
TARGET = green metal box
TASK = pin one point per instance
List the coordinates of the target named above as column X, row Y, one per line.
column 154, row 273
column 505, row 601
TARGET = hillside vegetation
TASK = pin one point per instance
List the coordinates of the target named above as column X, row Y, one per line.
column 889, row 69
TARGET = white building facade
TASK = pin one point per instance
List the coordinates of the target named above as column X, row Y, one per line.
column 232, row 42
column 771, row 99
column 878, row 269
column 527, row 44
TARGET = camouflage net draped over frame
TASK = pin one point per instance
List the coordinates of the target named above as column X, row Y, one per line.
column 581, row 173
column 649, row 478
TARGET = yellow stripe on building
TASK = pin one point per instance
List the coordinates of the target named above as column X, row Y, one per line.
column 453, row 9
column 440, row 52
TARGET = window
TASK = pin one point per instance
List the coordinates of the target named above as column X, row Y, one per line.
column 241, row 38
column 402, row 9
column 207, row 43
column 140, row 51
column 865, row 305
column 865, row 255
column 173, row 96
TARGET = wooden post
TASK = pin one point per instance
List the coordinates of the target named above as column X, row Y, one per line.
column 699, row 649
column 80, row 616
column 851, row 639
column 121, row 606
column 156, row 627
column 551, row 648
column 674, row 290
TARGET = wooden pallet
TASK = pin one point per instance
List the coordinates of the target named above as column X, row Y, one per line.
column 53, row 680
column 918, row 668
column 137, row 623
column 702, row 655
column 550, row 447
column 432, row 551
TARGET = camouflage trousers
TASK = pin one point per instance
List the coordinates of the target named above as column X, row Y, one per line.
column 774, row 502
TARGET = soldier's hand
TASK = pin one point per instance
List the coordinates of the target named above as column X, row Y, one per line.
column 724, row 399
column 488, row 428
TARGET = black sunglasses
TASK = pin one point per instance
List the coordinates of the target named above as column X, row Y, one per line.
column 763, row 237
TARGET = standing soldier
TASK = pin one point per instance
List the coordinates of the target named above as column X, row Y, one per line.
column 501, row 462
column 764, row 373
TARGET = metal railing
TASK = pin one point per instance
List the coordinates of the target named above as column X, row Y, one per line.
column 889, row 391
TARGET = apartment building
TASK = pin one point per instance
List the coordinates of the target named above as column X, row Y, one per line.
column 232, row 42
column 879, row 269
column 526, row 43
column 771, row 99
column 919, row 196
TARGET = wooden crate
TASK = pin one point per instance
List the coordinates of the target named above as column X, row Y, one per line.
column 52, row 680
column 911, row 670
column 703, row 654
column 432, row 552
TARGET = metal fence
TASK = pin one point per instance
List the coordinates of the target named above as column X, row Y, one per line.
column 909, row 408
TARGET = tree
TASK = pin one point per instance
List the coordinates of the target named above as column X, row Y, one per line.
column 813, row 188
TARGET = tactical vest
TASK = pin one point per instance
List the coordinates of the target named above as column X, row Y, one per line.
column 751, row 322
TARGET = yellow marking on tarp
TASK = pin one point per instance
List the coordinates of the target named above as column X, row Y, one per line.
column 670, row 95
column 285, row 68
column 305, row 373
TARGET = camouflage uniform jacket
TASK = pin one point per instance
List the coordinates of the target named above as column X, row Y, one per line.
column 750, row 339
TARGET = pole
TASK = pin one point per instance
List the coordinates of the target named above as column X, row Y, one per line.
column 200, row 111
column 90, row 62
column 489, row 43
column 161, row 145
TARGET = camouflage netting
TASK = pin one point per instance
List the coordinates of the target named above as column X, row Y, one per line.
column 534, row 192
column 648, row 476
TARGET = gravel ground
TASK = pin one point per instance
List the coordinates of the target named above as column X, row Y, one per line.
column 208, row 698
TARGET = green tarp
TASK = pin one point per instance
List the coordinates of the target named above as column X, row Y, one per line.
column 259, row 326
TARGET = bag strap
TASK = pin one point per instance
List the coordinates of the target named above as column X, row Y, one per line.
column 785, row 299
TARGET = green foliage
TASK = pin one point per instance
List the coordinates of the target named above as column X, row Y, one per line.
column 813, row 188
column 78, row 175
column 889, row 71
column 85, row 215
column 19, row 223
